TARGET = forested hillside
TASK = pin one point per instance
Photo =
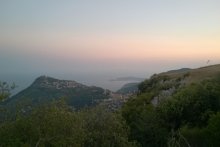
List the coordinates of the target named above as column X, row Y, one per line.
column 47, row 89
column 178, row 108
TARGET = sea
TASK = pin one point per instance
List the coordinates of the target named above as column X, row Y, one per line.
column 23, row 81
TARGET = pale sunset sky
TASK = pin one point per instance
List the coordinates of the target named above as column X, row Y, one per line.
column 107, row 37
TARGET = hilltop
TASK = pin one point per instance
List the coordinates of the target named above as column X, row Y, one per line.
column 195, row 75
column 46, row 89
column 165, row 84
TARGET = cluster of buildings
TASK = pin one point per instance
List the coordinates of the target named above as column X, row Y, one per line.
column 58, row 84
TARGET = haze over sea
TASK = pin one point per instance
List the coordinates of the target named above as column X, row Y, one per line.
column 101, row 79
column 94, row 41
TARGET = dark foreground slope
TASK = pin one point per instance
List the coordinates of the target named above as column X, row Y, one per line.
column 46, row 89
column 177, row 108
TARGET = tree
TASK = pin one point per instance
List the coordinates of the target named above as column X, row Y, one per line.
column 57, row 124
column 213, row 130
column 192, row 105
column 50, row 125
column 145, row 125
column 105, row 129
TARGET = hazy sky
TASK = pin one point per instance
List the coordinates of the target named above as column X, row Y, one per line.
column 130, row 37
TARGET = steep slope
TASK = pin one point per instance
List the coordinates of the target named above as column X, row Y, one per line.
column 46, row 89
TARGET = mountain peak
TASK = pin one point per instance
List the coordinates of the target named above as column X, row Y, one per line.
column 46, row 89
column 49, row 82
column 44, row 77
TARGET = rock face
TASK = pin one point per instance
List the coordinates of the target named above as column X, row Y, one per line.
column 46, row 89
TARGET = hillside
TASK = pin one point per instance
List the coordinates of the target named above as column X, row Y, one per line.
column 165, row 84
column 177, row 108
column 128, row 88
column 46, row 89
column 195, row 75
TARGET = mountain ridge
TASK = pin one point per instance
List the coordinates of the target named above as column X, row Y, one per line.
column 45, row 89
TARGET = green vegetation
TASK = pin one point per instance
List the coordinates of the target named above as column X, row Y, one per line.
column 173, row 109
column 129, row 88
column 57, row 124
column 187, row 117
column 47, row 89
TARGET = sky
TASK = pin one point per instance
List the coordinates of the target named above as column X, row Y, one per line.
column 107, row 38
